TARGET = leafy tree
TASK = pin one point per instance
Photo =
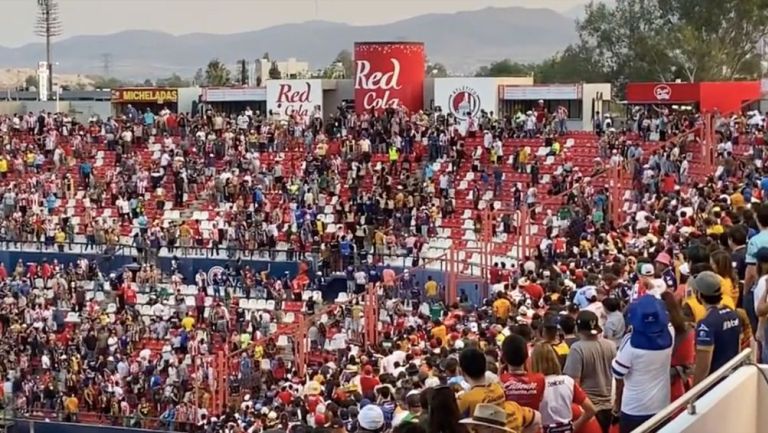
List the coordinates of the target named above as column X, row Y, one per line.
column 217, row 74
column 100, row 82
column 148, row 83
column 199, row 77
column 265, row 56
column 344, row 58
column 436, row 70
column 505, row 68
column 31, row 81
column 274, row 71
column 575, row 64
column 173, row 81
column 694, row 40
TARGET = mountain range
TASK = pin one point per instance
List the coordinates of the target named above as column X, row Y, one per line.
column 461, row 41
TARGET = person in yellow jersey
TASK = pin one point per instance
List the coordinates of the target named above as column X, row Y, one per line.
column 484, row 390
column 698, row 262
column 3, row 166
column 188, row 323
column 431, row 289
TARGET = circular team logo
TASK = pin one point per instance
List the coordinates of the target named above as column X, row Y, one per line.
column 662, row 92
column 216, row 270
column 464, row 102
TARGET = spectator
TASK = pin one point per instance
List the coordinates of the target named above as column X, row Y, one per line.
column 641, row 366
column 718, row 333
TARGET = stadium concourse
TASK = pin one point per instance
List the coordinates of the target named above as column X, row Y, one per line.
column 573, row 240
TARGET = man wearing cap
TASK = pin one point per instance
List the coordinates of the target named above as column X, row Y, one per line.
column 718, row 332
column 589, row 364
column 641, row 366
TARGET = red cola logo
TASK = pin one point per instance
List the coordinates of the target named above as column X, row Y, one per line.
column 662, row 92
column 378, row 85
column 290, row 99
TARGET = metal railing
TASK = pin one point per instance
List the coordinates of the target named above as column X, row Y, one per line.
column 688, row 400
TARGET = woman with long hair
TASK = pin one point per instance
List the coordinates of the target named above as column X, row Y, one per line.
column 444, row 412
column 722, row 264
column 561, row 394
column 683, row 350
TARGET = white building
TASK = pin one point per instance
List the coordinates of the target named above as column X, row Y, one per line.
column 289, row 69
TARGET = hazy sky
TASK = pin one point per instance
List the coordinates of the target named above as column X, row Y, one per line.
column 80, row 17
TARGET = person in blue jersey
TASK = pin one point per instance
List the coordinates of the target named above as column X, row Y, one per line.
column 718, row 333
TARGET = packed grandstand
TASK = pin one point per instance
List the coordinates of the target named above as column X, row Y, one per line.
column 376, row 270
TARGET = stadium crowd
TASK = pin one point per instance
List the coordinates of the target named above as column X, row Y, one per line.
column 599, row 330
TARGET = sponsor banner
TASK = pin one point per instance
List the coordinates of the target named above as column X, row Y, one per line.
column 545, row 92
column 466, row 97
column 389, row 74
column 226, row 94
column 144, row 95
column 660, row 93
column 287, row 97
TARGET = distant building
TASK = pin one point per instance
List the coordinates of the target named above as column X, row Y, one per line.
column 289, row 69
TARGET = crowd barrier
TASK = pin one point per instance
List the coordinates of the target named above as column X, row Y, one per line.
column 278, row 262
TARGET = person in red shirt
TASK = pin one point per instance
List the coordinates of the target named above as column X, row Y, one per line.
column 46, row 272
column 368, row 382
column 3, row 272
column 534, row 290
column 130, row 296
column 200, row 304
column 520, row 386
column 285, row 396
column 495, row 274
column 32, row 271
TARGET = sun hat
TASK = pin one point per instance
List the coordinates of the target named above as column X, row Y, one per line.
column 489, row 415
column 649, row 319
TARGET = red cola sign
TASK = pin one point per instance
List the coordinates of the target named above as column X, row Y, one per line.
column 287, row 97
column 389, row 74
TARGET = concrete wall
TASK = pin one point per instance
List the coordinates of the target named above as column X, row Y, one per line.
column 515, row 81
column 80, row 110
column 11, row 107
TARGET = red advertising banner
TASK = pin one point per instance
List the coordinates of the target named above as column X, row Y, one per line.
column 389, row 74
column 662, row 93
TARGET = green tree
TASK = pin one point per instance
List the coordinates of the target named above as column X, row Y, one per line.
column 265, row 56
column 148, row 83
column 217, row 74
column 274, row 71
column 31, row 81
column 199, row 77
column 173, row 81
column 436, row 70
column 100, row 82
column 505, row 68
column 344, row 58
column 694, row 40
column 575, row 64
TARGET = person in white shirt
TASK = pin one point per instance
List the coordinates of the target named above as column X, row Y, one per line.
column 641, row 366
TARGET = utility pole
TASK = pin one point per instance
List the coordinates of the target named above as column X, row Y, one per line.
column 48, row 26
column 106, row 64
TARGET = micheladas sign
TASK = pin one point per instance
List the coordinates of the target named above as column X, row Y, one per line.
column 146, row 95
